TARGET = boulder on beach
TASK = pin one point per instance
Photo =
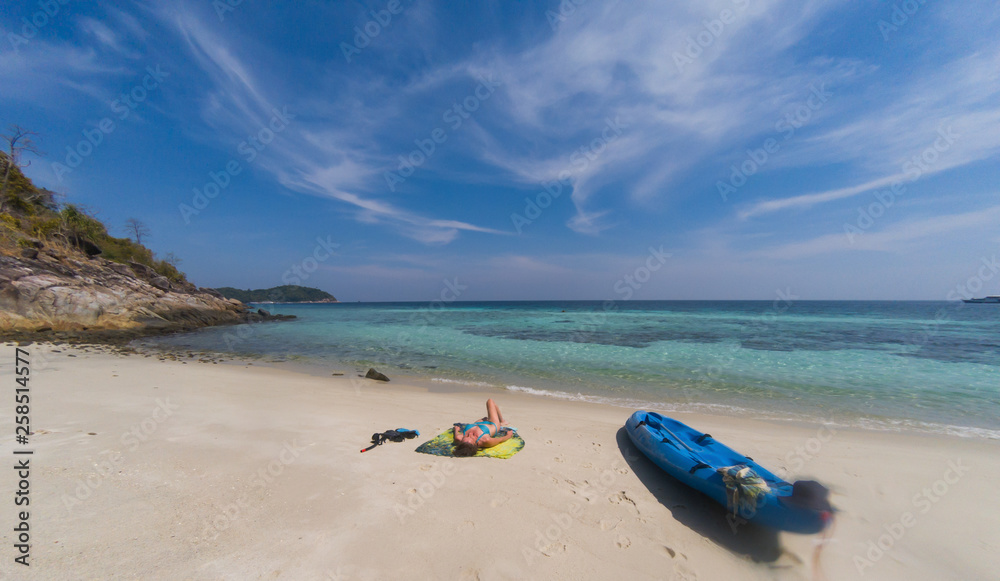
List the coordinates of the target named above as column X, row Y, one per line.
column 372, row 374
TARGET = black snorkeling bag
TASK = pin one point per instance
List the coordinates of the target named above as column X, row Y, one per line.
column 397, row 435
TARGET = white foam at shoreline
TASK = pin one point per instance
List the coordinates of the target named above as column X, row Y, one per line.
column 882, row 425
column 461, row 382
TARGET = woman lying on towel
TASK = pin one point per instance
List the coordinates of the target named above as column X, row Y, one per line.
column 469, row 438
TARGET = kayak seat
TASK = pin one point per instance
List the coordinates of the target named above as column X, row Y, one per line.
column 702, row 438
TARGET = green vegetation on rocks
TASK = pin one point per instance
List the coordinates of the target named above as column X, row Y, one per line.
column 30, row 217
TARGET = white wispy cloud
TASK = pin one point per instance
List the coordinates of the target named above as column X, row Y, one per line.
column 108, row 37
column 89, row 62
column 610, row 60
column 39, row 72
column 809, row 200
column 960, row 101
column 894, row 238
column 236, row 95
column 334, row 163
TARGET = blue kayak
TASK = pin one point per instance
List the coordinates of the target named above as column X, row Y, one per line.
column 750, row 491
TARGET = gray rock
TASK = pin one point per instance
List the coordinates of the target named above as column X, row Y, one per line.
column 121, row 269
column 142, row 271
column 30, row 253
column 261, row 315
column 161, row 282
column 372, row 374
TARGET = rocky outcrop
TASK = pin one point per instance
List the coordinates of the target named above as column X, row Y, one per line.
column 72, row 292
column 261, row 315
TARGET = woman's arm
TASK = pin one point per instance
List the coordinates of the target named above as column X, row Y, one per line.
column 489, row 442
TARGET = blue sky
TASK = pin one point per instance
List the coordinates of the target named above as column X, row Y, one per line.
column 823, row 150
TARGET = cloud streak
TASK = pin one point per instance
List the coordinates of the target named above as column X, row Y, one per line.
column 237, row 100
column 895, row 238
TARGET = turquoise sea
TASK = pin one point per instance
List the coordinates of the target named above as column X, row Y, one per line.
column 929, row 366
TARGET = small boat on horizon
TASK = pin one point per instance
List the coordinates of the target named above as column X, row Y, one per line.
column 990, row 299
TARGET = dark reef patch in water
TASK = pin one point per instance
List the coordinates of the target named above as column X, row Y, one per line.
column 639, row 338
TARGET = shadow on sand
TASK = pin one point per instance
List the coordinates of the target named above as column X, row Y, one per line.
column 699, row 512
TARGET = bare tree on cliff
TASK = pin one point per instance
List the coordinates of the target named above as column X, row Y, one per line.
column 135, row 228
column 19, row 140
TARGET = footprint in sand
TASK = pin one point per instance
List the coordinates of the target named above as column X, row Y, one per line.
column 585, row 490
column 554, row 548
column 425, row 467
column 607, row 525
column 620, row 497
column 685, row 573
column 623, row 498
column 623, row 542
column 499, row 500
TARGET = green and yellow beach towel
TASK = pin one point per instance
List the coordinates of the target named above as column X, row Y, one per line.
column 443, row 445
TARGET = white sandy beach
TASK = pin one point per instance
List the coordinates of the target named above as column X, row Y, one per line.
column 236, row 471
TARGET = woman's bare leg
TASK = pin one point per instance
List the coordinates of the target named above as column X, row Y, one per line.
column 493, row 413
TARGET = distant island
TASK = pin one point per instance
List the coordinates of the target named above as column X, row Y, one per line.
column 280, row 294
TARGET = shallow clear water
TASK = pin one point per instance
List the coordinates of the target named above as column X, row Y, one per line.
column 922, row 365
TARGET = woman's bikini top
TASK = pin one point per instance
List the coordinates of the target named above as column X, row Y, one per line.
column 484, row 426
